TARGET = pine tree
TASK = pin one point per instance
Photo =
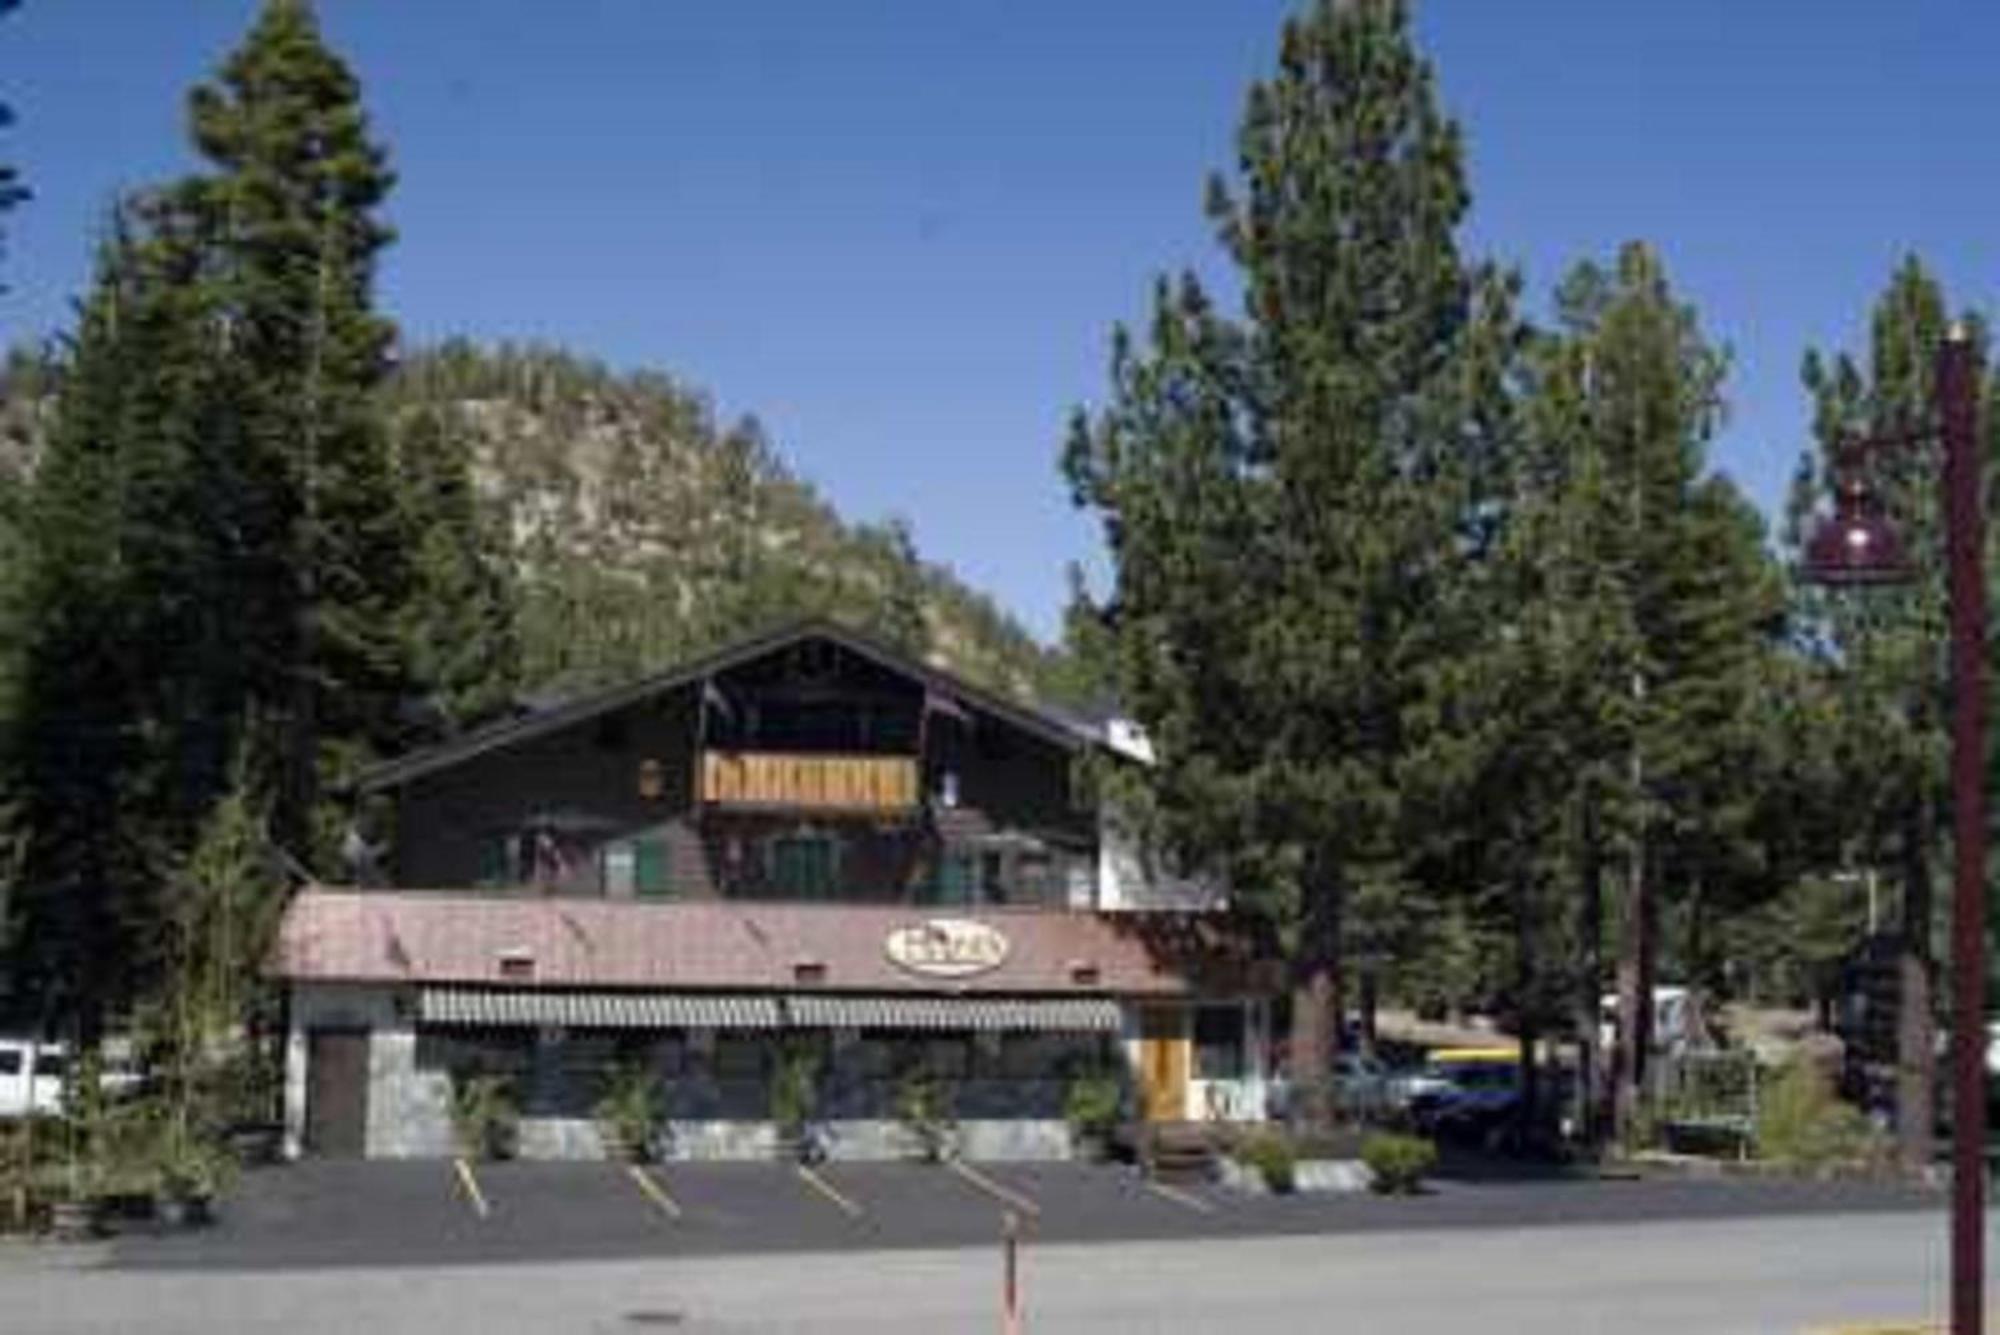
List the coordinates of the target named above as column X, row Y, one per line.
column 288, row 211
column 1883, row 650
column 459, row 621
column 1663, row 610
column 1281, row 499
column 121, row 722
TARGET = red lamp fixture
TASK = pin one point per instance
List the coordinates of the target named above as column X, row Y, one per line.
column 1856, row 544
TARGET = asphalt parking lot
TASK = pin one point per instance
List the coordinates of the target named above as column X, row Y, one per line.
column 425, row 1213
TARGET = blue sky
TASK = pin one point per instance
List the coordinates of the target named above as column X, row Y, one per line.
column 900, row 230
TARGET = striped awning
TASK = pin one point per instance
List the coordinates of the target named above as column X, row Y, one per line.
column 596, row 1010
column 1067, row 1014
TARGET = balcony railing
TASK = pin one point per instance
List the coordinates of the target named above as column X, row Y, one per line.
column 813, row 782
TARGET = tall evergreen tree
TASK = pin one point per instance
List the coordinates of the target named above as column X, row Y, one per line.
column 121, row 711
column 459, row 627
column 1883, row 649
column 289, row 210
column 1280, row 500
column 1665, row 607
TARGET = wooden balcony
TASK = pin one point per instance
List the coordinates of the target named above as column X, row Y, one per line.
column 778, row 780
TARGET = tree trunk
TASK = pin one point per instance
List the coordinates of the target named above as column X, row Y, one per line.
column 1916, row 1031
column 1590, row 982
column 1370, row 1002
column 1527, row 1019
column 1635, row 993
column 1317, row 1007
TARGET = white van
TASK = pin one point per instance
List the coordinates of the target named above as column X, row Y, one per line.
column 31, row 1077
column 34, row 1075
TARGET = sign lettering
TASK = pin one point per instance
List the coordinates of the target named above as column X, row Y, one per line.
column 946, row 947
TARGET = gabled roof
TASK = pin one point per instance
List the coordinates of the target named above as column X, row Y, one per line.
column 1046, row 724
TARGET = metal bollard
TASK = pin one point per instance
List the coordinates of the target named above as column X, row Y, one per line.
column 1010, row 1282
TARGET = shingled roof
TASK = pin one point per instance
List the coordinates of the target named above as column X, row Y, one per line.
column 449, row 937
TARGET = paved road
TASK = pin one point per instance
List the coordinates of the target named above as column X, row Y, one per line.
column 1706, row 1277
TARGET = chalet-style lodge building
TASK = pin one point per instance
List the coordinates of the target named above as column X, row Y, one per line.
column 806, row 839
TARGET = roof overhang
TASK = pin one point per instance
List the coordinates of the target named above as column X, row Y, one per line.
column 1049, row 727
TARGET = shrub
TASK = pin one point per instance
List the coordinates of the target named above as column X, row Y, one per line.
column 1091, row 1104
column 795, row 1092
column 1397, row 1164
column 1801, row 1123
column 1272, row 1155
column 483, row 1115
column 628, row 1111
column 923, row 1105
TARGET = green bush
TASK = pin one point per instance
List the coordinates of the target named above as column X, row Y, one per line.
column 483, row 1115
column 1801, row 1123
column 1274, row 1158
column 1091, row 1103
column 795, row 1092
column 1398, row 1164
column 628, row 1111
column 924, row 1106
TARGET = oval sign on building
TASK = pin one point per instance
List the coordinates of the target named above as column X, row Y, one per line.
column 946, row 947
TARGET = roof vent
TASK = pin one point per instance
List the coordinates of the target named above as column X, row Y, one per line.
column 1085, row 973
column 808, row 971
column 518, row 962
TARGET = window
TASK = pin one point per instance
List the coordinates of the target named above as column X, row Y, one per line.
column 618, row 867
column 739, row 1057
column 635, row 866
column 10, row 1063
column 500, row 859
column 804, row 866
column 1218, row 1043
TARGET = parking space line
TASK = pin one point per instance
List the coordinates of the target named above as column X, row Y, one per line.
column 654, row 1191
column 470, row 1185
column 825, row 1188
column 1006, row 1195
column 1175, row 1194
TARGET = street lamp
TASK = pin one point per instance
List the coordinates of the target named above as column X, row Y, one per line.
column 1857, row 545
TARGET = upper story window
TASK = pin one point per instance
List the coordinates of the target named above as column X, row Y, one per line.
column 635, row 867
column 805, row 866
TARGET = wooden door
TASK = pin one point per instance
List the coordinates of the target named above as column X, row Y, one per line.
column 1166, row 1059
column 337, row 1094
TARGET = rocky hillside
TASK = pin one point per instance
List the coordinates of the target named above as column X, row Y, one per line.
column 641, row 530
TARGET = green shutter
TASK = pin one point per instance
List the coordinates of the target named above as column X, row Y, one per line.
column 955, row 879
column 653, row 868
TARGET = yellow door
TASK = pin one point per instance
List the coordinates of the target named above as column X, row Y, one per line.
column 1166, row 1058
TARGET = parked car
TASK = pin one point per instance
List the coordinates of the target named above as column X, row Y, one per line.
column 34, row 1076
column 1363, row 1086
column 1464, row 1093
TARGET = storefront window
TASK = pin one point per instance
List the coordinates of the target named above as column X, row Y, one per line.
column 739, row 1056
column 1218, row 1043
